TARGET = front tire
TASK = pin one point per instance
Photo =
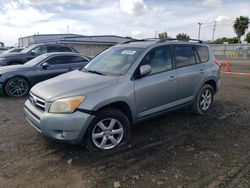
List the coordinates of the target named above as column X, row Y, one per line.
column 17, row 87
column 204, row 100
column 109, row 129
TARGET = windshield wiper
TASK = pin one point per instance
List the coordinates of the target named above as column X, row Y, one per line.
column 92, row 71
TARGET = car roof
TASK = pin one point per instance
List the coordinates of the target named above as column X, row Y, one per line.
column 64, row 53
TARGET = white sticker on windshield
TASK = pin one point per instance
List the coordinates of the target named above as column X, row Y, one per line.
column 128, row 52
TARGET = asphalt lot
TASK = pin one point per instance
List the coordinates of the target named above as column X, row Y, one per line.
column 178, row 149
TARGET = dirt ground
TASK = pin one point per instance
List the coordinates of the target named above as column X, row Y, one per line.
column 178, row 149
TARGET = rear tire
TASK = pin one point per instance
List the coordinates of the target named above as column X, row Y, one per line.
column 17, row 87
column 204, row 100
column 109, row 129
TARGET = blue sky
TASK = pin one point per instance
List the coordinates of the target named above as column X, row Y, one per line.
column 136, row 18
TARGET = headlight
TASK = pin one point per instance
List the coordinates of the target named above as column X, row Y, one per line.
column 66, row 105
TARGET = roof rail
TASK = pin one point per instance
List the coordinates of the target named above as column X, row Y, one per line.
column 160, row 40
column 170, row 39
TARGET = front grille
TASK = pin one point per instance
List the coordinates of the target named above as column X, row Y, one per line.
column 37, row 101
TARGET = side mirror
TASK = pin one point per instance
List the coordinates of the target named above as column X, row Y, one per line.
column 45, row 65
column 32, row 53
column 145, row 69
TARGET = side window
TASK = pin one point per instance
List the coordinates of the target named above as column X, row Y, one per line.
column 58, row 60
column 203, row 53
column 159, row 59
column 39, row 50
column 64, row 49
column 184, row 56
column 66, row 59
column 77, row 59
column 52, row 49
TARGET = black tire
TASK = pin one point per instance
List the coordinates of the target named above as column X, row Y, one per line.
column 17, row 87
column 199, row 108
column 105, row 115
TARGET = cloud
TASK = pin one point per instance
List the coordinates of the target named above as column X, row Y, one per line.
column 136, row 33
column 20, row 17
column 39, row 2
column 133, row 7
column 214, row 3
column 222, row 18
column 10, row 5
column 137, row 18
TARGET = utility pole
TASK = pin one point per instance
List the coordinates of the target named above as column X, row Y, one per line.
column 214, row 28
column 199, row 33
column 68, row 29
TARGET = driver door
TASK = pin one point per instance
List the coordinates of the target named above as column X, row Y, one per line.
column 156, row 91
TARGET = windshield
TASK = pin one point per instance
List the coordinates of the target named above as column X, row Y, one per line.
column 36, row 60
column 114, row 61
column 27, row 49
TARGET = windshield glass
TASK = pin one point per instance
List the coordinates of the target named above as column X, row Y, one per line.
column 37, row 60
column 27, row 49
column 114, row 61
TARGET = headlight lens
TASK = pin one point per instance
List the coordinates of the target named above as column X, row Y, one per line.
column 2, row 58
column 66, row 105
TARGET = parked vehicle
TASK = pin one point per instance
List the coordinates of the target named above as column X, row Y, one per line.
column 16, row 80
column 12, row 50
column 31, row 52
column 3, row 49
column 128, row 83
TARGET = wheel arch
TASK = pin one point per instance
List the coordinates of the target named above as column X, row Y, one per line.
column 120, row 105
column 212, row 83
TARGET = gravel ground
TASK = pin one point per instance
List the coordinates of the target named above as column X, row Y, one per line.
column 178, row 149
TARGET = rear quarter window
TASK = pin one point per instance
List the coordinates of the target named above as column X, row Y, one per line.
column 203, row 53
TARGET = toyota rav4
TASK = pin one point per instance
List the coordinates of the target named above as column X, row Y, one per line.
column 128, row 83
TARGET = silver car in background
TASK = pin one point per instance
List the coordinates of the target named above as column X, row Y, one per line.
column 128, row 83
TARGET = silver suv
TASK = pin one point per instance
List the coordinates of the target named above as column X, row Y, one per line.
column 128, row 83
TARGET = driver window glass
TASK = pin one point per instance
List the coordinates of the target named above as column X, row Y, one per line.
column 60, row 60
column 159, row 59
column 39, row 50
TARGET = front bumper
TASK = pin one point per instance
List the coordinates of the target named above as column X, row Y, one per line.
column 69, row 128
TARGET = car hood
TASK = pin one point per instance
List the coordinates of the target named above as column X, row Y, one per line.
column 75, row 83
column 15, row 54
column 12, row 68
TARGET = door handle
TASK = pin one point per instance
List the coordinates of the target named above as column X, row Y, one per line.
column 172, row 78
column 202, row 71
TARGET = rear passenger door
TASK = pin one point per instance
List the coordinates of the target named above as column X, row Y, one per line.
column 156, row 91
column 190, row 72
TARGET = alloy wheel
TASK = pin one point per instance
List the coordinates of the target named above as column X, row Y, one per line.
column 107, row 133
column 17, row 88
column 206, row 99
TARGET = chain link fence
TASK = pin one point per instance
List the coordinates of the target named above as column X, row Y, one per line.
column 231, row 51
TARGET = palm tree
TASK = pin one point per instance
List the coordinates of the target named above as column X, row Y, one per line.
column 240, row 26
column 183, row 36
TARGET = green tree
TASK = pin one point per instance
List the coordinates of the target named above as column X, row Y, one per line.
column 240, row 26
column 248, row 37
column 232, row 40
column 183, row 36
column 163, row 35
